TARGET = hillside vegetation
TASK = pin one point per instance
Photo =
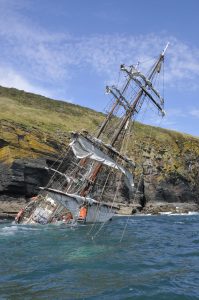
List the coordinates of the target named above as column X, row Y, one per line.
column 44, row 113
column 35, row 111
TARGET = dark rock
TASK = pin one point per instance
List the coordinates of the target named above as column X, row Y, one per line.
column 23, row 177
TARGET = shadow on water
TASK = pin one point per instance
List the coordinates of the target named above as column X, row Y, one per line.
column 158, row 258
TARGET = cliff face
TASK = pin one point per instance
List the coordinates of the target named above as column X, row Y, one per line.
column 34, row 131
column 170, row 170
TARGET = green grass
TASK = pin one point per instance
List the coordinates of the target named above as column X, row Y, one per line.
column 44, row 113
column 52, row 116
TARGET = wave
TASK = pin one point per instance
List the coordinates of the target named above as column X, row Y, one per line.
column 8, row 230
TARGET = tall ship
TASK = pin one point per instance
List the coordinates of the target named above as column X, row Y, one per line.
column 82, row 189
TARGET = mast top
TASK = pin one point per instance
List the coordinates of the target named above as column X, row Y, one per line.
column 143, row 88
column 165, row 49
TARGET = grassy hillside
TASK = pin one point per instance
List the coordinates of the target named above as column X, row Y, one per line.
column 50, row 115
column 44, row 113
column 33, row 123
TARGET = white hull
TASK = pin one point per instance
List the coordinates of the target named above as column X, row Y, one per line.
column 43, row 213
column 96, row 211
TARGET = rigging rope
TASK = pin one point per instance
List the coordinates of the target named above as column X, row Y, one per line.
column 124, row 147
column 139, row 182
column 98, row 206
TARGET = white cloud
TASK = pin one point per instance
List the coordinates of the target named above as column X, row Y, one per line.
column 195, row 112
column 10, row 78
column 53, row 57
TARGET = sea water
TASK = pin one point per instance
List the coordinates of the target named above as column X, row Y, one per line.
column 145, row 257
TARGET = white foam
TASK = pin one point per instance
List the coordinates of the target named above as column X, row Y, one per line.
column 190, row 213
column 8, row 230
column 17, row 228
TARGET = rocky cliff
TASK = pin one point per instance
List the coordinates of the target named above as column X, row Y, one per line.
column 34, row 131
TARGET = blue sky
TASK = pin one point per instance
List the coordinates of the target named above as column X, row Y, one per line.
column 70, row 49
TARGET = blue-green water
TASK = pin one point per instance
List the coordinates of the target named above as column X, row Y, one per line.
column 158, row 258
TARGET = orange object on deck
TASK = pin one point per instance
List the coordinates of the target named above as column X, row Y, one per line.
column 82, row 213
column 19, row 215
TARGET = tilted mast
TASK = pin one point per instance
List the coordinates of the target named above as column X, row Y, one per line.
column 145, row 89
column 115, row 105
column 121, row 101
